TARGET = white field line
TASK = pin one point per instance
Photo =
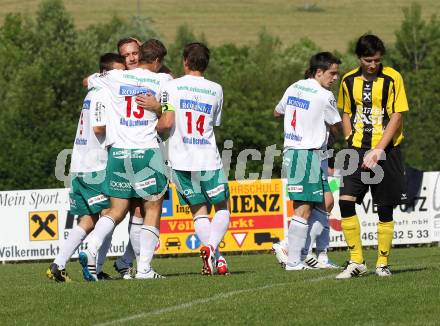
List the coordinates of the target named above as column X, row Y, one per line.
column 204, row 300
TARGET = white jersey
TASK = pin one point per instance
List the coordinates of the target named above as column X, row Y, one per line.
column 130, row 126
column 198, row 104
column 89, row 154
column 307, row 109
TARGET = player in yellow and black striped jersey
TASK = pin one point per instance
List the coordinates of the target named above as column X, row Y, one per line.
column 372, row 98
column 370, row 104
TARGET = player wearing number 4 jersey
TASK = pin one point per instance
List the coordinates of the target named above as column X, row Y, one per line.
column 196, row 104
column 308, row 108
column 135, row 167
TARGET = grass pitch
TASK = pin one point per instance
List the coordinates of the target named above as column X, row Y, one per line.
column 257, row 292
column 330, row 24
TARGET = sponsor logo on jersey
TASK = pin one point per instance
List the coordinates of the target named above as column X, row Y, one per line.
column 292, row 136
column 217, row 190
column 135, row 90
column 145, row 184
column 86, row 105
column 141, row 79
column 132, row 123
column 295, row 188
column 298, row 102
column 197, row 90
column 99, row 111
column 164, row 97
column 195, row 106
column 195, row 141
column 96, row 199
column 80, row 141
column 305, row 89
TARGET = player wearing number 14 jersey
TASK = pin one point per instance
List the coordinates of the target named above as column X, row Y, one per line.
column 195, row 160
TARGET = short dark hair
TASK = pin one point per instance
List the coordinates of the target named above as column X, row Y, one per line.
column 164, row 69
column 369, row 45
column 127, row 40
column 196, row 56
column 107, row 60
column 151, row 50
column 321, row 60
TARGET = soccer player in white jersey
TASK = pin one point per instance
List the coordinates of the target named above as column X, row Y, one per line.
column 135, row 167
column 195, row 104
column 308, row 107
column 129, row 48
column 153, row 53
column 88, row 163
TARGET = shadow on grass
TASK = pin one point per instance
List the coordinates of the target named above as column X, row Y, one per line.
column 410, row 270
column 199, row 274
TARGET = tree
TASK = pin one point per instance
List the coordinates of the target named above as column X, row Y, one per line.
column 417, row 41
column 42, row 65
column 416, row 55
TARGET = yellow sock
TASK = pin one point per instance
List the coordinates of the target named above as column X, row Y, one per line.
column 385, row 232
column 352, row 234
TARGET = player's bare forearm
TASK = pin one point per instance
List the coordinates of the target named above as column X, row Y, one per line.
column 346, row 125
column 165, row 122
column 276, row 114
column 390, row 130
column 336, row 129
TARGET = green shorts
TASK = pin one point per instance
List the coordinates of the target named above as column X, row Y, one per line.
column 135, row 173
column 195, row 188
column 305, row 180
column 86, row 195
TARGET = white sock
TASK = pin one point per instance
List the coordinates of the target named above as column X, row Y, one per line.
column 202, row 226
column 102, row 253
column 103, row 228
column 219, row 226
column 132, row 250
column 323, row 240
column 315, row 230
column 134, row 232
column 149, row 236
column 76, row 236
column 297, row 239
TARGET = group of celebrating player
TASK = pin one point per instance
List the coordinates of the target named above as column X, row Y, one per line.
column 118, row 164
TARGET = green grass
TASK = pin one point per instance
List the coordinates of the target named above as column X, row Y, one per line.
column 257, row 292
column 230, row 21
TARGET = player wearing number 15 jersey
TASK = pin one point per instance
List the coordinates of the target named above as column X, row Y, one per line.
column 195, row 160
column 135, row 167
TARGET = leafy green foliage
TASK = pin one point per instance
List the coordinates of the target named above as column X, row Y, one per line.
column 44, row 61
column 417, row 55
column 43, row 64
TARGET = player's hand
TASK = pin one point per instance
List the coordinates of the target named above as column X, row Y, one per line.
column 371, row 159
column 148, row 102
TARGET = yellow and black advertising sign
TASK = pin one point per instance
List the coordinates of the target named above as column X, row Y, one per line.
column 256, row 219
column 43, row 226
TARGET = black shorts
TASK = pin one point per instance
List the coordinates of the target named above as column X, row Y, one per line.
column 390, row 191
